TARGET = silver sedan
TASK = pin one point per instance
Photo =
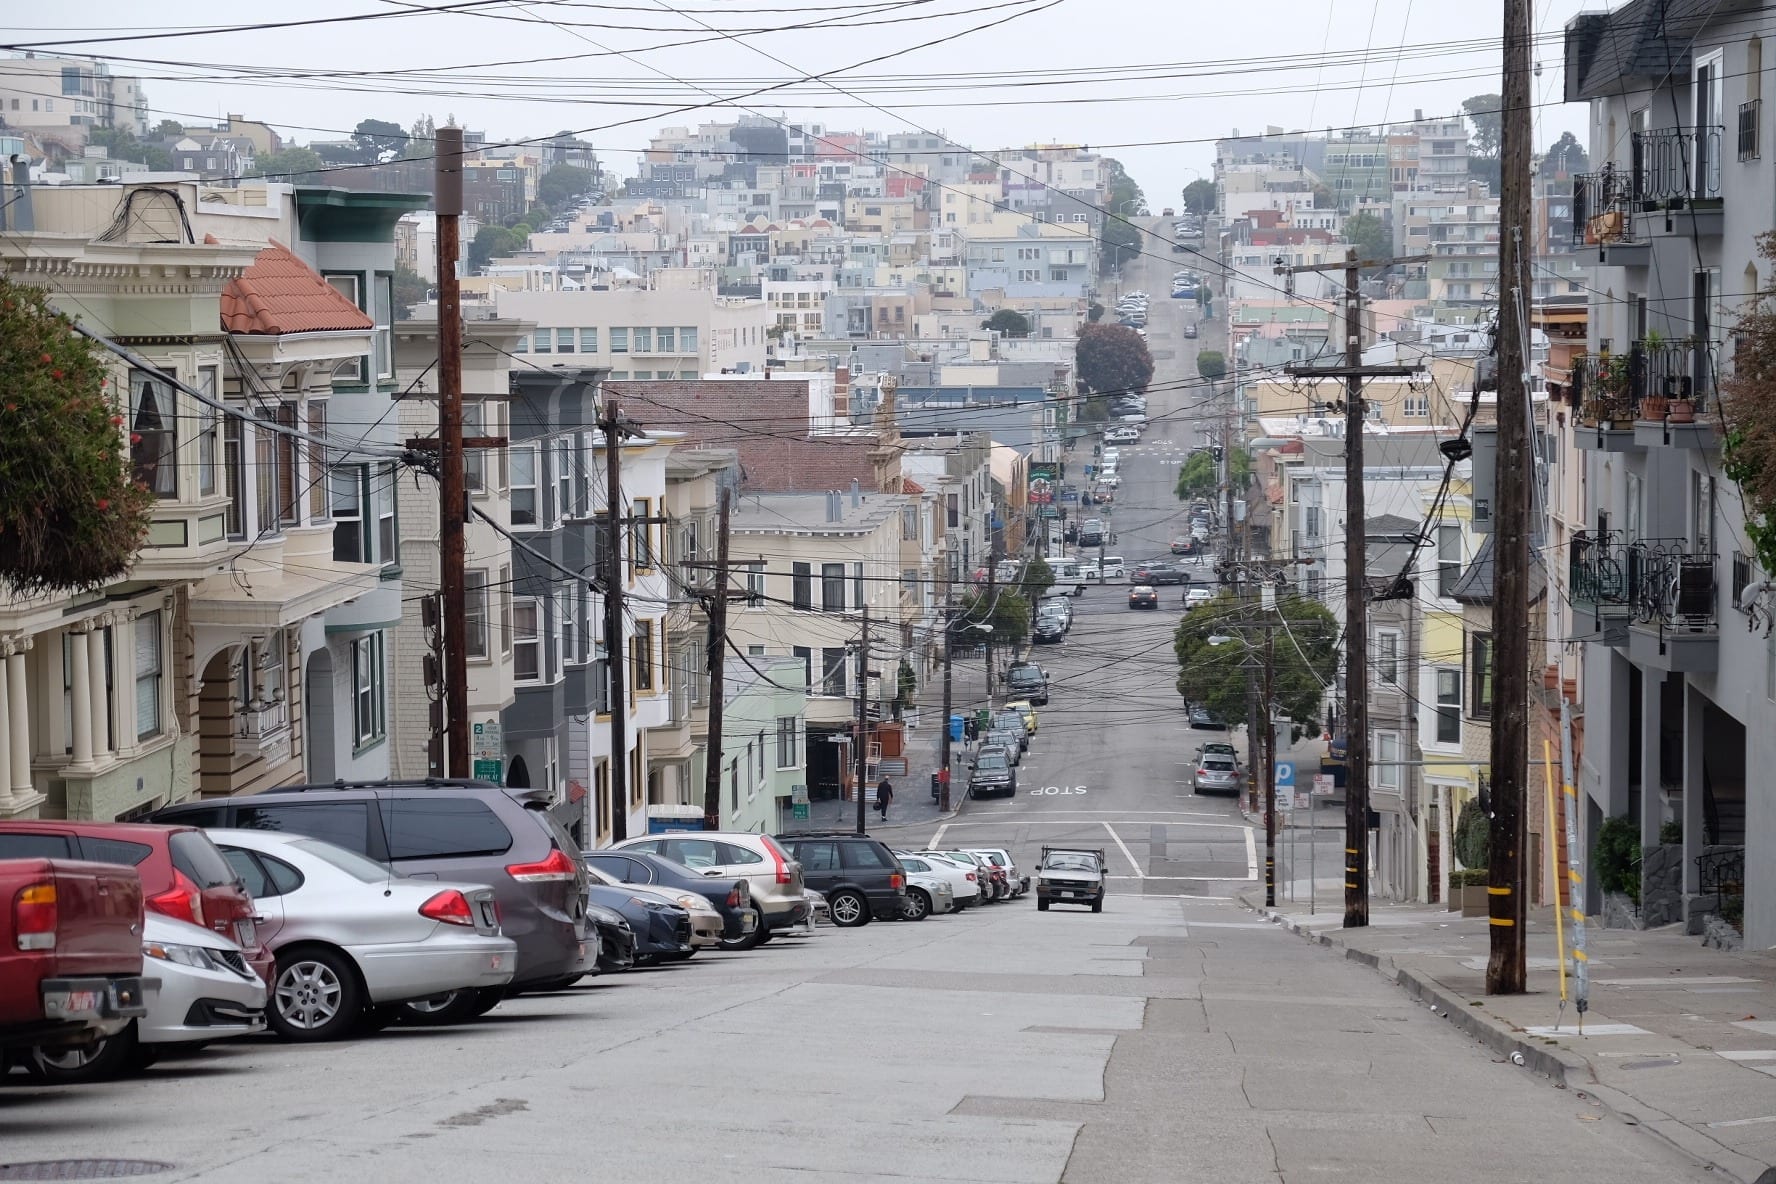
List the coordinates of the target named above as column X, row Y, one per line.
column 352, row 937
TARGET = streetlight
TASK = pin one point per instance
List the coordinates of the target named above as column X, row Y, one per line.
column 943, row 772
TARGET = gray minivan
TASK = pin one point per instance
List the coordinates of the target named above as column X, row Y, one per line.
column 462, row 830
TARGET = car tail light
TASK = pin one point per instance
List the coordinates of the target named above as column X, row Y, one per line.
column 556, row 867
column 736, row 898
column 783, row 876
column 34, row 915
column 896, row 880
column 970, row 875
column 1202, row 772
column 450, row 907
column 182, row 902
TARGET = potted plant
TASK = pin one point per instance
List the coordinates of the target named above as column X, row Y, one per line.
column 1618, row 856
column 1653, row 405
column 1473, row 847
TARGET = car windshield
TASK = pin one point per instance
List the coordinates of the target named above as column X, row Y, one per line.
column 993, row 759
column 349, row 862
column 1066, row 861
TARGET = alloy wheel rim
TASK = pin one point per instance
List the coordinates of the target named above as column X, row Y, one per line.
column 308, row 995
column 846, row 908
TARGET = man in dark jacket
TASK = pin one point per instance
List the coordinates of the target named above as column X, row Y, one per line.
column 884, row 795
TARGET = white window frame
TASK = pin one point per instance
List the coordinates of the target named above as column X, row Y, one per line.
column 476, row 621
column 531, row 486
column 150, row 671
column 789, row 742
column 527, row 637
column 1387, row 654
column 1387, row 758
column 369, row 689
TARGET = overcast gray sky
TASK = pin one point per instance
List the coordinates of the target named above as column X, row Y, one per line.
column 1129, row 76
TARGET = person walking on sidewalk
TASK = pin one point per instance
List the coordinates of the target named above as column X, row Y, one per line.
column 884, row 795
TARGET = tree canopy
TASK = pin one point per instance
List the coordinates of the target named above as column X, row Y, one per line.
column 490, row 242
column 1003, row 608
column 1748, row 410
column 379, row 140
column 1119, row 243
column 1486, row 114
column 1565, row 157
column 1368, row 235
column 1220, row 655
column 562, row 184
column 290, row 163
column 1199, row 476
column 1112, row 358
column 1199, row 197
column 1211, row 364
column 121, row 145
column 1009, row 322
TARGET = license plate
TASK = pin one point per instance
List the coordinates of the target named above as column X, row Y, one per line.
column 246, row 934
column 79, row 1001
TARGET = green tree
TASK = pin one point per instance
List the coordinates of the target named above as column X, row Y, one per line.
column 1565, row 157
column 1219, row 656
column 1002, row 608
column 1197, row 476
column 121, row 145
column 1368, row 235
column 1486, row 114
column 490, row 242
column 1473, row 836
column 422, row 139
column 1211, row 364
column 168, row 129
column 288, row 164
column 562, row 184
column 1199, row 197
column 1119, row 243
column 1009, row 322
column 1112, row 358
column 1748, row 410
column 1094, row 314
column 1038, row 579
column 410, row 289
column 379, row 140
column 75, row 498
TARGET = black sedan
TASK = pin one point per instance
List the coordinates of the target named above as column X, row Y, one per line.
column 1143, row 596
column 616, row 937
column 731, row 896
column 657, row 930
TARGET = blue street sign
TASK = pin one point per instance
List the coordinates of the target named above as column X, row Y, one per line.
column 1285, row 775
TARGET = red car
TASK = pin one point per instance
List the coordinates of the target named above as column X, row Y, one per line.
column 183, row 875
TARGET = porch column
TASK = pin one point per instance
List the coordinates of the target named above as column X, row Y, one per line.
column 102, row 723
column 80, row 694
column 1652, row 799
column 1694, row 746
column 18, row 719
column 6, row 645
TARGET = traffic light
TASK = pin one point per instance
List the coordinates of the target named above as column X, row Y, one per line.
column 1217, row 453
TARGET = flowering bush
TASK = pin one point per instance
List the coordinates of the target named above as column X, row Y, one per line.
column 71, row 517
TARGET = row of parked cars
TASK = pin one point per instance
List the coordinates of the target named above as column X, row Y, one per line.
column 328, row 911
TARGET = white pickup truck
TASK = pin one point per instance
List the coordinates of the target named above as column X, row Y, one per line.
column 1071, row 875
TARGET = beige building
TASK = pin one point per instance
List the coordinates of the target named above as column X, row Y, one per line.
column 67, row 97
column 641, row 334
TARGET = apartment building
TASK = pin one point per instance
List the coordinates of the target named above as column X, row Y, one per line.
column 67, row 97
column 641, row 335
column 1679, row 675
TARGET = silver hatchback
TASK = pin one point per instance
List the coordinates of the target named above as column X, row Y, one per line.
column 1216, row 773
column 771, row 872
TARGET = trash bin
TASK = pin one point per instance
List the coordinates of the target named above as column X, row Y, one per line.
column 957, row 725
column 936, row 786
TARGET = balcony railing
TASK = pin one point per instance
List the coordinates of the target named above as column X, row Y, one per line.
column 1652, row 381
column 1601, row 205
column 1749, row 127
column 1664, row 582
column 1678, row 164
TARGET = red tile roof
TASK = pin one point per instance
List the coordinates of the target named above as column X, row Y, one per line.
column 908, row 485
column 280, row 293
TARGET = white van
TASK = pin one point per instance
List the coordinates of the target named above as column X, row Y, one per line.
column 1066, row 575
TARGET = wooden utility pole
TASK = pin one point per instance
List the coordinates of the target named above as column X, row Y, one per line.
column 453, row 506
column 718, row 644
column 1266, row 722
column 614, row 646
column 862, row 761
column 1356, row 595
column 1505, row 968
column 943, row 741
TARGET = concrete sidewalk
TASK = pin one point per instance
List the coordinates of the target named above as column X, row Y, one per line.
column 1678, row 1038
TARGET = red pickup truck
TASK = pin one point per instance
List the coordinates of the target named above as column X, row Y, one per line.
column 70, row 951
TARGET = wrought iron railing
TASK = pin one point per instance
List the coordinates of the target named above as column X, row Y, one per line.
column 1678, row 163
column 1602, row 387
column 1664, row 582
column 1643, row 383
column 1601, row 204
column 1721, row 872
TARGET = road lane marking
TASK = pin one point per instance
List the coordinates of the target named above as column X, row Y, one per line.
column 1129, row 855
column 1251, row 854
column 1025, row 820
column 937, row 838
column 1190, row 879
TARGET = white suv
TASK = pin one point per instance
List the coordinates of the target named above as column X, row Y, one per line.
column 771, row 872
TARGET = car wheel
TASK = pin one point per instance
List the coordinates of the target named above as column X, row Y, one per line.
column 917, row 905
column 1041, row 905
column 101, row 1060
column 1098, row 905
column 849, row 909
column 315, row 996
column 452, row 1007
column 375, row 1018
column 748, row 941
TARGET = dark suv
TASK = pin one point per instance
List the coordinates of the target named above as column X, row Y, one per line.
column 1027, row 680
column 453, row 830
column 859, row 877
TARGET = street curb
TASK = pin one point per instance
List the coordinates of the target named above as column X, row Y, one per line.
column 1564, row 1070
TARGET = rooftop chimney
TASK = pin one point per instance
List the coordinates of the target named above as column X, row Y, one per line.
column 856, row 494
column 835, row 506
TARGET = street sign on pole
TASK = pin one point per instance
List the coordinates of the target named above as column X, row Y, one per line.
column 1323, row 785
column 1285, row 776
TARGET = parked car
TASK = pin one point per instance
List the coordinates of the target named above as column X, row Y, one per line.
column 352, row 937
column 1000, row 857
column 197, row 988
column 926, row 894
column 731, row 895
column 1190, row 327
column 1012, row 739
column 706, row 922
column 1026, row 680
column 616, row 939
column 1195, row 597
column 1012, row 720
column 183, row 875
column 821, row 910
column 963, row 883
column 1026, row 712
column 972, row 866
column 992, row 772
column 70, row 951
column 859, row 877
column 1185, row 544
column 1048, row 630
column 1143, row 596
column 1217, row 747
column 1071, row 875
column 774, row 878
column 659, row 930
column 1202, row 717
column 1215, row 773
column 469, row 831
column 1056, row 605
